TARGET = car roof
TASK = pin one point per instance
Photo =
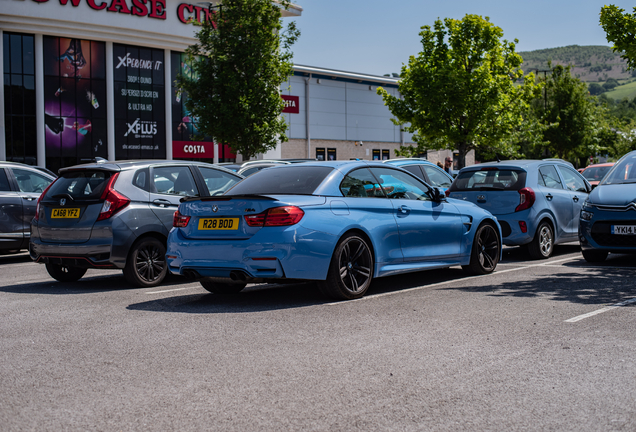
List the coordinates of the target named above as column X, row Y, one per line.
column 523, row 164
column 9, row 164
column 606, row 164
column 408, row 161
column 131, row 164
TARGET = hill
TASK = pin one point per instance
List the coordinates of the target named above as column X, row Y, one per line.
column 589, row 63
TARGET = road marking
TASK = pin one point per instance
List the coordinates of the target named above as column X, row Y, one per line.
column 601, row 267
column 496, row 272
column 170, row 290
column 600, row 311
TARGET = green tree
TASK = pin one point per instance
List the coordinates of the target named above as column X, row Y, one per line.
column 577, row 126
column 620, row 28
column 459, row 92
column 610, row 84
column 239, row 64
column 595, row 89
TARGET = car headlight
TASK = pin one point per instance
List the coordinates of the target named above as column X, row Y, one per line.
column 587, row 205
column 586, row 215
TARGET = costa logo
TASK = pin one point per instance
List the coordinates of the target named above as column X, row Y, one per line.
column 194, row 149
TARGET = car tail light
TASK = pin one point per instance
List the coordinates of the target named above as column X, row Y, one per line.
column 447, row 192
column 526, row 199
column 179, row 220
column 37, row 206
column 523, row 227
column 113, row 200
column 277, row 216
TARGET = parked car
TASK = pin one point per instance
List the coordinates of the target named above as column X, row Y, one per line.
column 338, row 223
column 537, row 202
column 608, row 216
column 595, row 173
column 425, row 170
column 117, row 215
column 20, row 188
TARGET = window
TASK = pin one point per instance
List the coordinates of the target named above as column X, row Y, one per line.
column 437, row 177
column 320, row 154
column 490, row 179
column 175, row 180
column 361, row 184
column 293, row 179
column 19, row 94
column 548, row 177
column 385, row 155
column 29, row 181
column 80, row 185
column 573, row 180
column 331, row 154
column 400, row 185
column 141, row 179
column 622, row 172
column 4, row 182
column 218, row 181
column 415, row 170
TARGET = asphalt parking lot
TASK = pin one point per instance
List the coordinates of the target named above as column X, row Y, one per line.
column 538, row 345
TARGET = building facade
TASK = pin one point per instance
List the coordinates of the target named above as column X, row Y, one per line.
column 84, row 79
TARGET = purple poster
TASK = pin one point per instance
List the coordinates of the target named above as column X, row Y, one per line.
column 74, row 101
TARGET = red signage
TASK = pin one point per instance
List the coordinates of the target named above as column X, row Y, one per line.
column 292, row 104
column 149, row 8
column 199, row 150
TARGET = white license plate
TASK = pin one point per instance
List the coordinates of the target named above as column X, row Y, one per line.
column 624, row 229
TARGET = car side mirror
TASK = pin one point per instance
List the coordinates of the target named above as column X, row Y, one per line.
column 438, row 194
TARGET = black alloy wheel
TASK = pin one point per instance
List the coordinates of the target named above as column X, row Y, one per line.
column 351, row 269
column 146, row 263
column 485, row 252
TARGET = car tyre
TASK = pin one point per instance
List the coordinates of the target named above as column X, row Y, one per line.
column 146, row 264
column 350, row 271
column 65, row 273
column 594, row 256
column 486, row 250
column 222, row 288
column 542, row 245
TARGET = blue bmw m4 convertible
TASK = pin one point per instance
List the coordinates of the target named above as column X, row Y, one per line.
column 340, row 224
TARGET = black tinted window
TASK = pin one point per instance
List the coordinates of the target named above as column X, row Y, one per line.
column 4, row 182
column 287, row 180
column 490, row 179
column 80, row 185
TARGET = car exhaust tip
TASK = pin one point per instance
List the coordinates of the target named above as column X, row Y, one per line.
column 191, row 274
column 238, row 276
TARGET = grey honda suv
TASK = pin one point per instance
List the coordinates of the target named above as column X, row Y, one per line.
column 117, row 215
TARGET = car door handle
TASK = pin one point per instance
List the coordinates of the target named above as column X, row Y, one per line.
column 28, row 198
column 404, row 209
column 575, row 198
column 162, row 203
column 549, row 197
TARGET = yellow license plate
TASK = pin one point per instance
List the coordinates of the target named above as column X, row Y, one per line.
column 66, row 213
column 218, row 223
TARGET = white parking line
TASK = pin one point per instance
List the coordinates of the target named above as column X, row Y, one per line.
column 600, row 311
column 170, row 290
column 496, row 272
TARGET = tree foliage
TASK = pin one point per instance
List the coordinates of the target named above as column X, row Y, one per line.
column 239, row 63
column 620, row 28
column 459, row 92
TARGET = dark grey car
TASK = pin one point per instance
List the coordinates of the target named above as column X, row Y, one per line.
column 20, row 188
column 117, row 215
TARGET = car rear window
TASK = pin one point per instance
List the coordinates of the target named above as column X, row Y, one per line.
column 490, row 179
column 285, row 180
column 80, row 185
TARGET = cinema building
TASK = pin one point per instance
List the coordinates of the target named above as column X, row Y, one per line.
column 95, row 78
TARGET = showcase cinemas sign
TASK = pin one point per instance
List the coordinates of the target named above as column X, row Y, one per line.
column 142, row 8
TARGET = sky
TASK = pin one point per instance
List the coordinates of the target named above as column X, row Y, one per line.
column 377, row 36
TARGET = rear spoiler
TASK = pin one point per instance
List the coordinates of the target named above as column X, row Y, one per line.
column 227, row 198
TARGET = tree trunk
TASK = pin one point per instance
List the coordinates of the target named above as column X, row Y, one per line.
column 463, row 149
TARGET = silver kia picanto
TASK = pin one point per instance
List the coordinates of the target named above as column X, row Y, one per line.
column 117, row 215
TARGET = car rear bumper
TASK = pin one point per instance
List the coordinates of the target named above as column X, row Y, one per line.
column 278, row 253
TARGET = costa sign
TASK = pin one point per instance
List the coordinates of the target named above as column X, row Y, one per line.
column 193, row 149
column 292, row 104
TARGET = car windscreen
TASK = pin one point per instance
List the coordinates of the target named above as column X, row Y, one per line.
column 623, row 172
column 287, row 180
column 80, row 185
column 490, row 179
